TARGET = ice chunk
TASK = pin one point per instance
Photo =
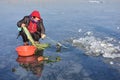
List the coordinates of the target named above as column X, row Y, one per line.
column 111, row 62
column 80, row 30
column 118, row 27
column 96, row 46
column 89, row 33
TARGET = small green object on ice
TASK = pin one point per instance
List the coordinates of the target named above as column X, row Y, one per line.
column 37, row 45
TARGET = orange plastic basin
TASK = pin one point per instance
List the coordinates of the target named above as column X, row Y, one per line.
column 25, row 50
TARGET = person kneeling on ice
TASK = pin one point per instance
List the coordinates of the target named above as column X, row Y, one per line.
column 34, row 24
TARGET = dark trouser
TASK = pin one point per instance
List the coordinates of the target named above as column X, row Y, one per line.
column 35, row 36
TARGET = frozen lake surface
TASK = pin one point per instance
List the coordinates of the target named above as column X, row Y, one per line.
column 89, row 28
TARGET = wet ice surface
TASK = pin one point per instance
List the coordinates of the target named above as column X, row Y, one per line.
column 76, row 25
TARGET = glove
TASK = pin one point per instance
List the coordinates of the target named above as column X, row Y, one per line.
column 43, row 36
column 19, row 29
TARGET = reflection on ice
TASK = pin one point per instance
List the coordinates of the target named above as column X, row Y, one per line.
column 96, row 46
column 95, row 1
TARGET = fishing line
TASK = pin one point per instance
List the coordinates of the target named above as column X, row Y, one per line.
column 57, row 43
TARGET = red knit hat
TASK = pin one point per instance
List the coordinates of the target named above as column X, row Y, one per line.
column 36, row 14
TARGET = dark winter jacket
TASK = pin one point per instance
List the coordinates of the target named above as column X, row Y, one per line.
column 26, row 21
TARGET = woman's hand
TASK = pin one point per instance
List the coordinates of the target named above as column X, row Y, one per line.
column 22, row 25
column 43, row 36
